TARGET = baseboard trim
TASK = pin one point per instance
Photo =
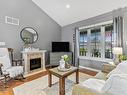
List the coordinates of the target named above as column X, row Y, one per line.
column 92, row 69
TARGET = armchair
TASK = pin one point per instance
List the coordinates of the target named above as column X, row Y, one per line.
column 3, row 77
column 15, row 62
column 10, row 66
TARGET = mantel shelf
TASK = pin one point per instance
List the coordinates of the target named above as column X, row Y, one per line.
column 34, row 51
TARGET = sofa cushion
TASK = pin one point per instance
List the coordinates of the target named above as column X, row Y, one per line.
column 120, row 69
column 15, row 70
column 116, row 84
column 94, row 84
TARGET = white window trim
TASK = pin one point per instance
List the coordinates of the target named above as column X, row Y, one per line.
column 96, row 59
column 95, row 25
column 92, row 58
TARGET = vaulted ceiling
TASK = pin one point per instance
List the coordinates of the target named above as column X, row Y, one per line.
column 66, row 12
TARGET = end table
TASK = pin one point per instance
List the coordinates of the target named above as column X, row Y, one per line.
column 62, row 75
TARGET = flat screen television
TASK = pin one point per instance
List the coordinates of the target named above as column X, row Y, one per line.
column 60, row 47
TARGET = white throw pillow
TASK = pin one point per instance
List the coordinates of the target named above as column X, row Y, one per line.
column 123, row 66
column 115, row 71
column 116, row 85
column 120, row 69
column 5, row 61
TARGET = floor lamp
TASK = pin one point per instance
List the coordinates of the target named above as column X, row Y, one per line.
column 117, row 51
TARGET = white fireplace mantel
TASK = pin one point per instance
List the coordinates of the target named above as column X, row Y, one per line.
column 32, row 54
column 34, row 51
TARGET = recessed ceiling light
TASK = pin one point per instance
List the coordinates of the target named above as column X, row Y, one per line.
column 68, row 6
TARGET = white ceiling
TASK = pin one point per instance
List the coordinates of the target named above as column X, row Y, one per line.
column 79, row 9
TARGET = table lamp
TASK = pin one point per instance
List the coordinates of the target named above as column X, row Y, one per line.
column 117, row 51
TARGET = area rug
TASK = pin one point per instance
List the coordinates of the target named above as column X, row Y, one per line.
column 40, row 86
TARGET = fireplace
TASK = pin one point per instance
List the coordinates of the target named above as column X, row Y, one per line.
column 35, row 63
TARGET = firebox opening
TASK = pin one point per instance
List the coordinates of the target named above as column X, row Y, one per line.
column 35, row 63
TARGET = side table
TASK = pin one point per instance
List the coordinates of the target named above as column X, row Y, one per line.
column 62, row 76
column 108, row 67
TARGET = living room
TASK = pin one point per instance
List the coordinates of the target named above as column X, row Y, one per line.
column 83, row 36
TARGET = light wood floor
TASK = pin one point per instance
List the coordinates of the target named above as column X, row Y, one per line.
column 14, row 83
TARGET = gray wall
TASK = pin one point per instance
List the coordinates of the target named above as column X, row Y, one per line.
column 69, row 30
column 30, row 16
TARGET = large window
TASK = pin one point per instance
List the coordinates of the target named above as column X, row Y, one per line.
column 83, row 43
column 109, row 41
column 97, row 41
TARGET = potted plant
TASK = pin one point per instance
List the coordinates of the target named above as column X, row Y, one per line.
column 83, row 51
column 66, row 58
column 26, row 42
column 122, row 57
column 96, row 53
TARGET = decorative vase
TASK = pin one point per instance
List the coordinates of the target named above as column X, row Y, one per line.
column 67, row 65
column 62, row 64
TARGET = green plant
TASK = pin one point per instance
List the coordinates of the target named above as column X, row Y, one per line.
column 26, row 40
column 96, row 53
column 83, row 51
column 65, row 57
column 108, row 50
column 122, row 57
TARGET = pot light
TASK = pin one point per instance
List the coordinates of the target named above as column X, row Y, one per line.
column 67, row 6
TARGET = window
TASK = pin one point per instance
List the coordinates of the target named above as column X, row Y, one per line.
column 109, row 41
column 83, row 43
column 97, row 41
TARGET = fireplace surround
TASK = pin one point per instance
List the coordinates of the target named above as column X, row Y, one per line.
column 34, row 61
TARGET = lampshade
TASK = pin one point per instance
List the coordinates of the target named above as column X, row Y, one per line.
column 117, row 50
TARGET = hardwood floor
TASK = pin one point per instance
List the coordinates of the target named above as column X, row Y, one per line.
column 89, row 72
column 14, row 83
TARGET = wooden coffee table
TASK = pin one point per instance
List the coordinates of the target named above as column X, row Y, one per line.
column 62, row 76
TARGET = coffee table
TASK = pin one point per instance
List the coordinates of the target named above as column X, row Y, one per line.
column 62, row 75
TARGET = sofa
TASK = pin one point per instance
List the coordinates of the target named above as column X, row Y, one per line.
column 104, row 83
